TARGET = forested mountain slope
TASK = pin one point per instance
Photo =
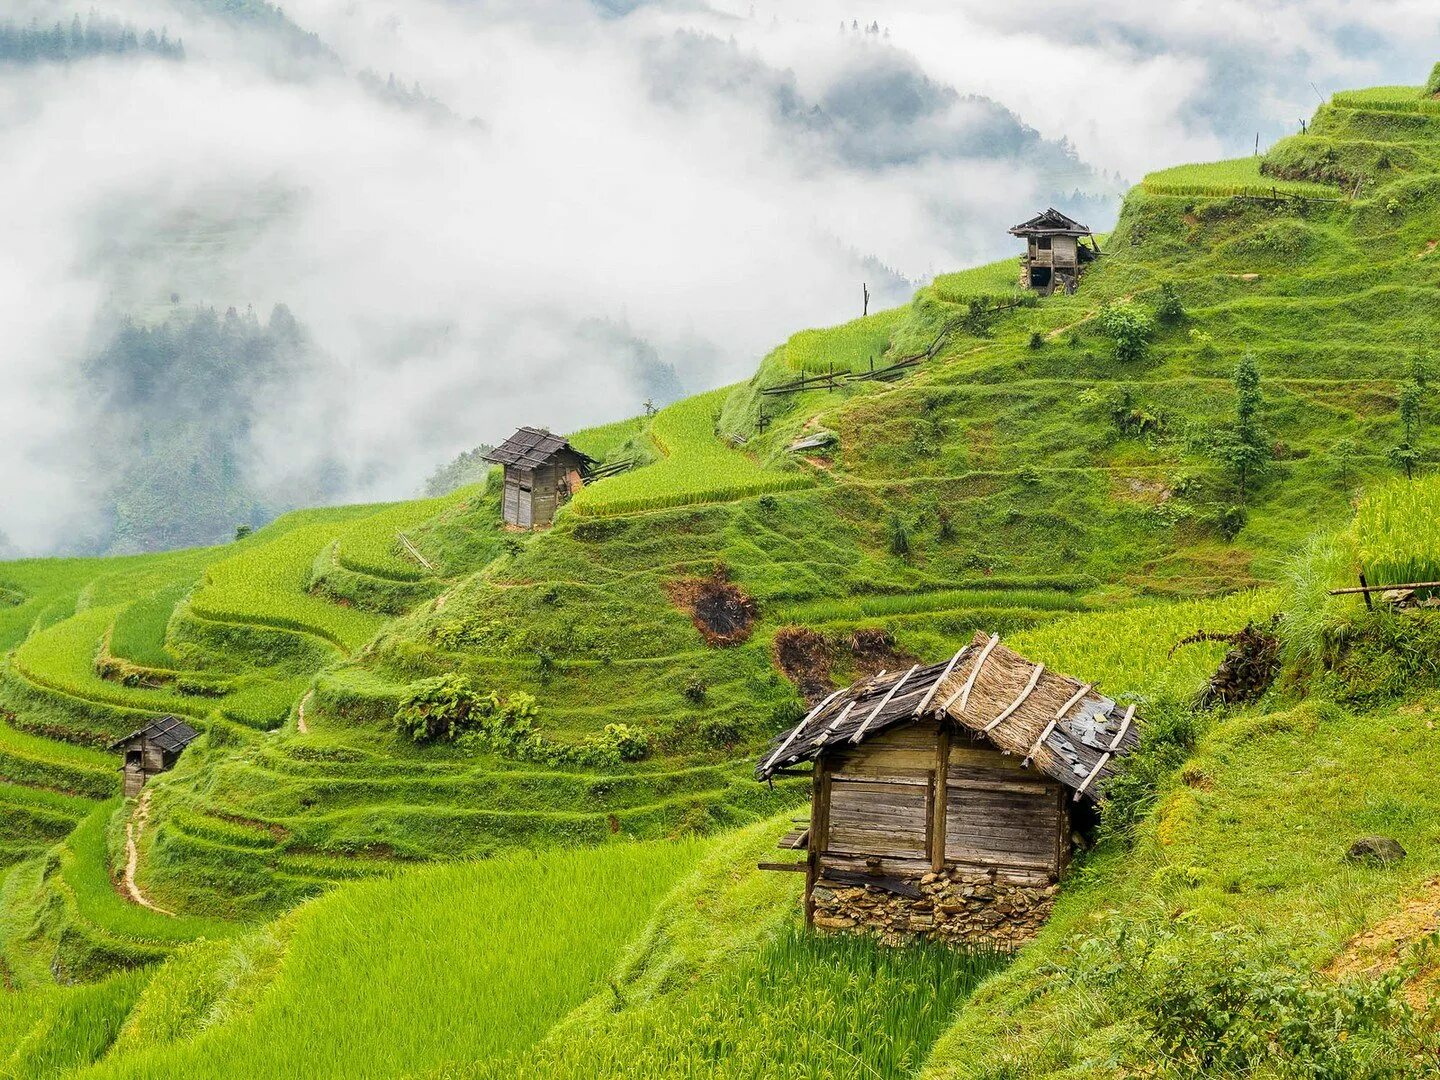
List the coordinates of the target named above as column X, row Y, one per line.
column 1181, row 445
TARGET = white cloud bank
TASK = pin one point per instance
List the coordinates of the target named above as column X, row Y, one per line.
column 701, row 180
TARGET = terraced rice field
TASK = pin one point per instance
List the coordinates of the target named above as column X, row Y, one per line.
column 696, row 467
column 1236, row 176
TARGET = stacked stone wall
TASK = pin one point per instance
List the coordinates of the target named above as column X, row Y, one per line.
column 955, row 906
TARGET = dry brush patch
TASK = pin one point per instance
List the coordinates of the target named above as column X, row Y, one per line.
column 722, row 611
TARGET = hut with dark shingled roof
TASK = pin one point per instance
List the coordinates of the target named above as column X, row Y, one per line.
column 1055, row 255
column 152, row 750
column 942, row 796
column 542, row 471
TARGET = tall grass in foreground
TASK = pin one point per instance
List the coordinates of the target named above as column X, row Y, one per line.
column 394, row 977
column 803, row 1008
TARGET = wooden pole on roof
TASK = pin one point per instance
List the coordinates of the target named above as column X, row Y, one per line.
column 800, row 727
column 860, row 731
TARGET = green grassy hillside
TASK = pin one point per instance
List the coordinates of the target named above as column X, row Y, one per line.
column 1067, row 472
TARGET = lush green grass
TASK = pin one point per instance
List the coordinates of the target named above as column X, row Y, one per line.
column 1236, row 176
column 1401, row 99
column 265, row 585
column 450, row 963
column 1128, row 652
column 1397, row 532
column 372, row 546
column 45, row 1033
column 608, row 440
column 993, row 281
column 857, row 345
column 697, row 466
column 723, row 983
column 139, row 632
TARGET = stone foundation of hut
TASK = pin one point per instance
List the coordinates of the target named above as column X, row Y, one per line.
column 956, row 907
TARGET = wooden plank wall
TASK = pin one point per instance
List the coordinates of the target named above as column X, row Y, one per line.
column 879, row 806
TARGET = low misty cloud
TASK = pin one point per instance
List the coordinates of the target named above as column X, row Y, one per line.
column 557, row 208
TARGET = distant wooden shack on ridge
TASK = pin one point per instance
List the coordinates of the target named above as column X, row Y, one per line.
column 542, row 471
column 1054, row 255
column 942, row 796
column 152, row 750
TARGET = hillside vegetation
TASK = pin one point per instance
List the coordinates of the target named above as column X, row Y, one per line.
column 1229, row 419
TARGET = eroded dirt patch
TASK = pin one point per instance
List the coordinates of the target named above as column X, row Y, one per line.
column 722, row 611
column 1375, row 951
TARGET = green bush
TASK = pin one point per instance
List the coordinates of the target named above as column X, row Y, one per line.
column 1129, row 329
column 443, row 708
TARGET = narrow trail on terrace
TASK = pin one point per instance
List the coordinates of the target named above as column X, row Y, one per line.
column 300, row 725
column 133, row 828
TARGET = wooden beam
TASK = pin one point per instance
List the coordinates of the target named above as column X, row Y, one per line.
column 860, row 731
column 964, row 692
column 936, row 686
column 1384, row 588
column 799, row 728
column 1093, row 773
column 1059, row 715
column 1124, row 727
column 940, row 799
column 792, row 867
column 840, row 716
column 1029, row 689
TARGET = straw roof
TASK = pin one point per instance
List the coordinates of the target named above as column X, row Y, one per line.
column 1065, row 728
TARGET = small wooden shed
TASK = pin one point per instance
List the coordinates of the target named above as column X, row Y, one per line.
column 1055, row 254
column 542, row 471
column 152, row 750
column 942, row 796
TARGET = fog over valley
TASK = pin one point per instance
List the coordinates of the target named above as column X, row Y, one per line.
column 260, row 258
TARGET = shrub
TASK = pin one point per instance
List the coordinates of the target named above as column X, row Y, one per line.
column 1166, row 740
column 1129, row 328
column 1432, row 84
column 443, row 707
column 1169, row 311
column 899, row 537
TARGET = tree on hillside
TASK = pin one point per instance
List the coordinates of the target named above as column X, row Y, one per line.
column 1245, row 448
column 1406, row 455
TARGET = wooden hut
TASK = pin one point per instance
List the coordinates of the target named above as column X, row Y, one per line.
column 542, row 471
column 152, row 750
column 1054, row 254
column 942, row 796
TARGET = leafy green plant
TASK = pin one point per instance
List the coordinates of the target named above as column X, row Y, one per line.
column 443, row 707
column 1406, row 455
column 1169, row 311
column 1129, row 330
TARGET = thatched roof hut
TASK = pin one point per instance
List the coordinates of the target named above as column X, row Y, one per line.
column 959, row 768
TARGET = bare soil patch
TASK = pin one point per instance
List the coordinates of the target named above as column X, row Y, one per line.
column 1376, row 950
